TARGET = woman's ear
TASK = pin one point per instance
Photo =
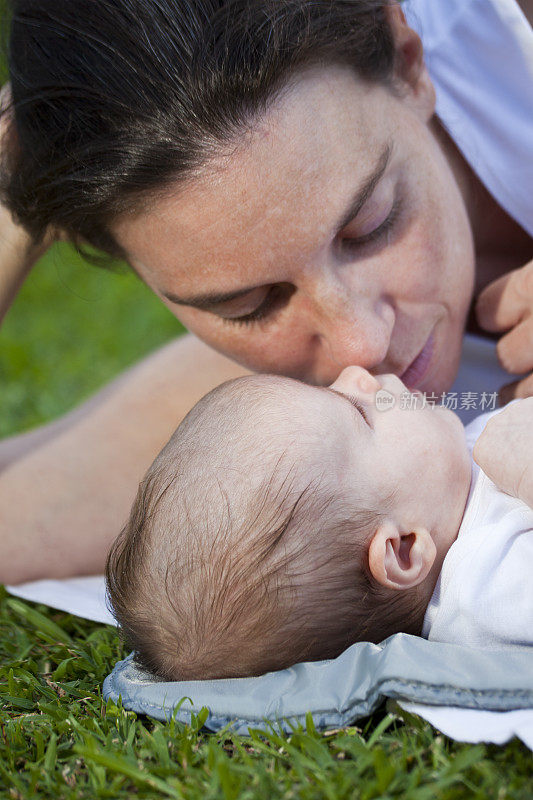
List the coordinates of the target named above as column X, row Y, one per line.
column 410, row 69
column 400, row 560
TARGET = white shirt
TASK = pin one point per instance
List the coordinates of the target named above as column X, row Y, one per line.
column 479, row 54
column 484, row 594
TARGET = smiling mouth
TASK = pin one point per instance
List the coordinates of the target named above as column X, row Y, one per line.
column 419, row 367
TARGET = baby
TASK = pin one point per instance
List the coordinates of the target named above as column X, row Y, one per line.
column 284, row 522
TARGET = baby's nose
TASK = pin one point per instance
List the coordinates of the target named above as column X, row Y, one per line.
column 356, row 379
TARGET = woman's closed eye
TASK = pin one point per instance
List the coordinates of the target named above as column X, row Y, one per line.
column 377, row 234
column 278, row 294
column 276, row 297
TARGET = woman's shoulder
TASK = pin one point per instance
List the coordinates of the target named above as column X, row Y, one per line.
column 434, row 20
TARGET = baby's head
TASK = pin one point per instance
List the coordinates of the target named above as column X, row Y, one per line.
column 284, row 522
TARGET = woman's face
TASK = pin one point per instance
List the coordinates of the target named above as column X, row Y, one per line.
column 334, row 234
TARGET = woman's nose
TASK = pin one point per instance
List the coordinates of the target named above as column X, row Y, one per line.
column 357, row 332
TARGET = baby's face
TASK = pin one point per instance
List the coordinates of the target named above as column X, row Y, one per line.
column 370, row 449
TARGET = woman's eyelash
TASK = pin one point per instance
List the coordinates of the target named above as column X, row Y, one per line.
column 273, row 296
column 272, row 301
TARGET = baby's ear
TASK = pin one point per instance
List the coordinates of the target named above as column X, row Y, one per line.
column 400, row 560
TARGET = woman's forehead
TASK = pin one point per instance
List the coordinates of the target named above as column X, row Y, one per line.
column 284, row 187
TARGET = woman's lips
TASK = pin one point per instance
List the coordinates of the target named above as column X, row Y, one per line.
column 416, row 371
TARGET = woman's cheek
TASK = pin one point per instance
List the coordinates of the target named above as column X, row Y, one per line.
column 261, row 348
column 427, row 243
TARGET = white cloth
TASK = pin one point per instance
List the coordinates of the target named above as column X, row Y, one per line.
column 479, row 54
column 483, row 597
column 85, row 597
column 471, row 725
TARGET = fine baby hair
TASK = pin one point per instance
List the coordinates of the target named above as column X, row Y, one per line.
column 238, row 556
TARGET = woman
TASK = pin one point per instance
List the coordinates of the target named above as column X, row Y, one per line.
column 276, row 173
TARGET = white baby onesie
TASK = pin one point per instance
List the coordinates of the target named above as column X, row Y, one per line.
column 484, row 594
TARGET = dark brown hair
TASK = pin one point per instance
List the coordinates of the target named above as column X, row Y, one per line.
column 116, row 99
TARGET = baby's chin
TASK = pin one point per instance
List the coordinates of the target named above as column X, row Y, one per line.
column 452, row 419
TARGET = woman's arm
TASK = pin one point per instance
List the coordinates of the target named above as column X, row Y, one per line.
column 62, row 504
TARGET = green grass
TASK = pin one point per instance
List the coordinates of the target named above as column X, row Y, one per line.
column 71, row 329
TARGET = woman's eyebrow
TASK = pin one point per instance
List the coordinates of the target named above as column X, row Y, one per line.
column 206, row 301
column 364, row 192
